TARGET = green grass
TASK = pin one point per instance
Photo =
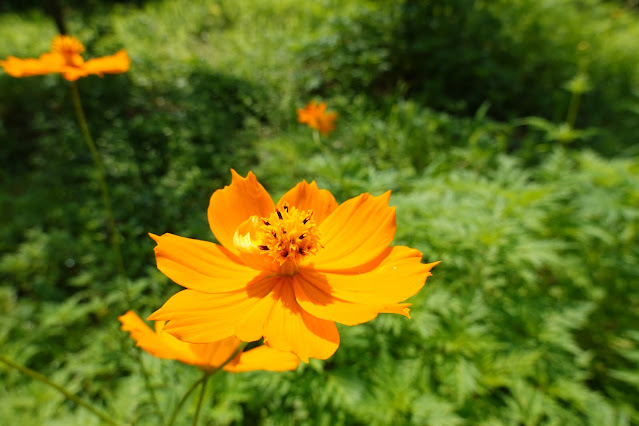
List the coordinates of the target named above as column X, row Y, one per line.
column 531, row 316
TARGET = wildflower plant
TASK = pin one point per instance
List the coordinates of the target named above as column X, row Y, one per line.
column 64, row 58
column 226, row 354
column 287, row 272
column 315, row 116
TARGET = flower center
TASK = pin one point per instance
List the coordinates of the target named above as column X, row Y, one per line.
column 288, row 234
column 69, row 47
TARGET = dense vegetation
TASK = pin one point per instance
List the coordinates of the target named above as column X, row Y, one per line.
column 506, row 129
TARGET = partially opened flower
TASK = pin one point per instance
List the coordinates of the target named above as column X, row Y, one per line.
column 65, row 58
column 208, row 356
column 316, row 117
column 287, row 271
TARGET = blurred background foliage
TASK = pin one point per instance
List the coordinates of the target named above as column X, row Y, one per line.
column 507, row 131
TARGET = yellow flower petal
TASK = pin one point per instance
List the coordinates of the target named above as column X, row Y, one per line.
column 234, row 204
column 201, row 265
column 197, row 317
column 214, row 354
column 47, row 63
column 161, row 345
column 112, row 64
column 264, row 358
column 314, row 296
column 290, row 328
column 358, row 231
column 398, row 276
column 307, row 196
column 355, row 298
column 205, row 355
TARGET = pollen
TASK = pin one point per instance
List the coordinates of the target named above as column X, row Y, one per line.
column 288, row 234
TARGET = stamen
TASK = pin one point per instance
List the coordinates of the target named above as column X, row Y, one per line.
column 308, row 217
column 287, row 236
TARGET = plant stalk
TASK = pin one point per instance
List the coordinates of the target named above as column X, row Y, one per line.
column 115, row 241
column 43, row 379
column 204, row 378
column 99, row 167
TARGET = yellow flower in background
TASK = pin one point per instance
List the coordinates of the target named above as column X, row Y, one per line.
column 316, row 117
column 287, row 271
column 65, row 59
column 207, row 356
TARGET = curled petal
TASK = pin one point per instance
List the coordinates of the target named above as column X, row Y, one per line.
column 206, row 355
column 357, row 232
column 201, row 265
column 290, row 328
column 234, row 204
column 307, row 196
column 264, row 358
column 161, row 345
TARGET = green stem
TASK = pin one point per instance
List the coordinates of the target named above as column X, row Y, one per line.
column 573, row 109
column 149, row 386
column 115, row 241
column 37, row 376
column 324, row 148
column 205, row 379
column 183, row 400
column 316, row 137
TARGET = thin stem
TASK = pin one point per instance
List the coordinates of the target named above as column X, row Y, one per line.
column 184, row 398
column 324, row 148
column 115, row 241
column 573, row 109
column 37, row 376
column 149, row 386
column 316, row 137
column 205, row 379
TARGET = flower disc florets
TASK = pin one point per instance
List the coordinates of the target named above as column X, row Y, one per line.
column 288, row 234
column 70, row 48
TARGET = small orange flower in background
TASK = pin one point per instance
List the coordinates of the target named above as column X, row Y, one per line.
column 316, row 117
column 287, row 271
column 207, row 356
column 65, row 58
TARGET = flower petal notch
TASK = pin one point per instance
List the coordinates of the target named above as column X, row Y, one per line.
column 207, row 356
column 65, row 59
column 287, row 271
column 316, row 117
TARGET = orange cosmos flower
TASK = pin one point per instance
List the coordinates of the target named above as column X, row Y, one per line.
column 207, row 356
column 65, row 58
column 287, row 271
column 314, row 116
